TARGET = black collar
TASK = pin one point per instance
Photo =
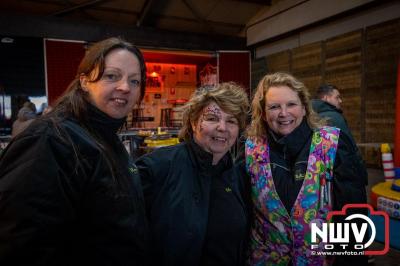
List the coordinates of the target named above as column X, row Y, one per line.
column 291, row 144
column 101, row 123
column 324, row 106
column 204, row 159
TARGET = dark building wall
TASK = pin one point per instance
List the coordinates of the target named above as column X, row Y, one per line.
column 22, row 74
column 363, row 64
column 22, row 66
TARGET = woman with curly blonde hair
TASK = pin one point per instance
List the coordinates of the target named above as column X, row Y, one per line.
column 258, row 127
column 299, row 170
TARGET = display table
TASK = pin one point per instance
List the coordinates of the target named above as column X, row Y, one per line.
column 383, row 198
column 394, row 230
column 140, row 141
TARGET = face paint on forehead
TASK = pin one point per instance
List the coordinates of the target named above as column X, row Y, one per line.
column 212, row 109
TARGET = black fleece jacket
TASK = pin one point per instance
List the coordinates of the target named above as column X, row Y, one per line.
column 180, row 196
column 62, row 206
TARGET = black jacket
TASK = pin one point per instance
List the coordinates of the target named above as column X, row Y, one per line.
column 59, row 210
column 333, row 115
column 289, row 159
column 176, row 185
column 335, row 118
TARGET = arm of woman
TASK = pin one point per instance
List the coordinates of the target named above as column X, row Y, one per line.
column 152, row 170
column 244, row 182
column 37, row 199
column 350, row 175
column 349, row 187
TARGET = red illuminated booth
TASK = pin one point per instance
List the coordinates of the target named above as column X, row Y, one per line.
column 172, row 77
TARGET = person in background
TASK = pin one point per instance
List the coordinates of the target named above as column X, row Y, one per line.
column 44, row 109
column 69, row 193
column 25, row 117
column 300, row 170
column 195, row 205
column 327, row 104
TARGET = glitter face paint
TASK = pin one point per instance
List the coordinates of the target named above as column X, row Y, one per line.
column 215, row 131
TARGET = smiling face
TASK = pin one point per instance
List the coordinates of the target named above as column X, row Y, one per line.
column 118, row 90
column 215, row 131
column 283, row 109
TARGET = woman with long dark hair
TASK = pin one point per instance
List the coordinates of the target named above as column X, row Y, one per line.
column 69, row 193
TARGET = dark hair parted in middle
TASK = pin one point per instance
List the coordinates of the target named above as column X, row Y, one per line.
column 75, row 100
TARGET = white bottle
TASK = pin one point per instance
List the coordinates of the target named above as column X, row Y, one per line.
column 387, row 162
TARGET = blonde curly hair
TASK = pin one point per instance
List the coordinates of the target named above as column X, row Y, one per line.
column 258, row 127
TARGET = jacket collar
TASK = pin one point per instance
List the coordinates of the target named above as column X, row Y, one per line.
column 203, row 159
column 320, row 106
column 101, row 123
column 291, row 144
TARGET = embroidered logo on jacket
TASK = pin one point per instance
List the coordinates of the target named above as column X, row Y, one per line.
column 132, row 170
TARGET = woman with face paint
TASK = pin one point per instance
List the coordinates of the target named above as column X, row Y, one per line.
column 195, row 205
column 300, row 170
column 69, row 193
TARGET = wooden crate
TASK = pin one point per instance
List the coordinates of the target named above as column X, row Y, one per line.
column 258, row 71
column 306, row 60
column 371, row 154
column 363, row 64
column 279, row 62
column 382, row 52
column 343, row 59
column 307, row 65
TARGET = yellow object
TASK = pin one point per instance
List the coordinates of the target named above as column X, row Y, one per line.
column 160, row 132
column 385, row 189
column 145, row 133
column 161, row 142
column 396, row 184
column 385, row 148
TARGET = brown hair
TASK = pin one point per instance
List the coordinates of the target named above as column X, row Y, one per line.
column 75, row 100
column 230, row 97
column 94, row 63
column 258, row 126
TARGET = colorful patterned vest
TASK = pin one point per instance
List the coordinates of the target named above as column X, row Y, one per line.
column 277, row 237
